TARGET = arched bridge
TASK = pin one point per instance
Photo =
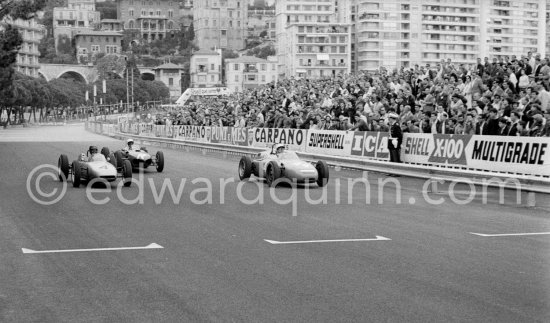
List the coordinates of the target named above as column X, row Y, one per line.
column 81, row 73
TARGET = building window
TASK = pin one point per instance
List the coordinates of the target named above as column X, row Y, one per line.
column 131, row 24
column 171, row 82
column 263, row 67
column 95, row 48
column 131, row 12
column 236, row 67
column 212, row 67
column 236, row 78
column 263, row 78
column 212, row 78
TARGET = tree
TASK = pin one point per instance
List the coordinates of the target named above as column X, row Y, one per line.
column 11, row 40
column 262, row 52
column 109, row 65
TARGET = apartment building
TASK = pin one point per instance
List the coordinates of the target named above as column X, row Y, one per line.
column 78, row 16
column 220, row 23
column 170, row 75
column 248, row 72
column 311, row 42
column 27, row 57
column 395, row 33
column 206, row 68
column 151, row 19
column 89, row 44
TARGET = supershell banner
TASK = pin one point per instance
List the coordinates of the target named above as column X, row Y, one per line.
column 373, row 145
column 293, row 139
column 337, row 143
column 526, row 155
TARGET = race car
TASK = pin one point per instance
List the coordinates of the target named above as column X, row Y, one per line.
column 283, row 164
column 140, row 158
column 103, row 168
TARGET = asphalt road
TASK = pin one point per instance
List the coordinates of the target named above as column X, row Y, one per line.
column 215, row 264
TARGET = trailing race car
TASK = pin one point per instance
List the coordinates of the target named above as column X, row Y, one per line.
column 94, row 166
column 140, row 157
column 279, row 164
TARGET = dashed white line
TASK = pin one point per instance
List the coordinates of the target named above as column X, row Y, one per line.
column 510, row 234
column 378, row 238
column 151, row 246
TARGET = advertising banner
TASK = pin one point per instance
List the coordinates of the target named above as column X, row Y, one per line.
column 229, row 136
column 193, row 133
column 293, row 139
column 370, row 144
column 337, row 143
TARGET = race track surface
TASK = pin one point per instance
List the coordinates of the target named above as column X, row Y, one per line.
column 216, row 265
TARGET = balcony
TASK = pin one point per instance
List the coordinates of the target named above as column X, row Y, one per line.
column 250, row 70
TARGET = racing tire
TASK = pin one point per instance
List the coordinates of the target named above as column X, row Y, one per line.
column 245, row 167
column 322, row 173
column 160, row 161
column 63, row 165
column 119, row 158
column 127, row 173
column 112, row 160
column 273, row 173
column 77, row 173
column 105, row 152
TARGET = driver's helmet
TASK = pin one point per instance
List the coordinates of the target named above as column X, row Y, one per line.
column 130, row 142
column 278, row 149
column 93, row 150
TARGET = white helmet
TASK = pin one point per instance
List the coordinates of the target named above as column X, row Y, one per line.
column 130, row 141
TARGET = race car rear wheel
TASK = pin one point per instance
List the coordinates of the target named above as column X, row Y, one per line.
column 160, row 161
column 322, row 173
column 77, row 173
column 112, row 160
column 273, row 172
column 105, row 152
column 245, row 167
column 119, row 158
column 127, row 173
column 63, row 165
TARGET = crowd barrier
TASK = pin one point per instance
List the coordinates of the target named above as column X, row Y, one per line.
column 514, row 155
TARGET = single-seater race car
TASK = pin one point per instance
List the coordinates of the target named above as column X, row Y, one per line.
column 140, row 158
column 279, row 163
column 92, row 166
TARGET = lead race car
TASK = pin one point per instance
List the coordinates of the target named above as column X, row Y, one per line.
column 94, row 166
column 140, row 157
column 283, row 164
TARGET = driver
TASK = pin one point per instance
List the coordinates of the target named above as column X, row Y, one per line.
column 94, row 155
column 130, row 143
column 278, row 149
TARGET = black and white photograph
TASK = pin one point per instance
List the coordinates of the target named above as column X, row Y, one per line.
column 275, row 161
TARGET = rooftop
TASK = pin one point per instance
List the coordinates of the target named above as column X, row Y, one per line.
column 247, row 59
column 168, row 66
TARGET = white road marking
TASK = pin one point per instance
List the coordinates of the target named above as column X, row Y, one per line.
column 151, row 246
column 510, row 234
column 378, row 238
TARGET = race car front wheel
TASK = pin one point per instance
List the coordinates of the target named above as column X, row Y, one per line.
column 63, row 165
column 160, row 161
column 322, row 173
column 77, row 173
column 127, row 173
column 245, row 167
column 273, row 173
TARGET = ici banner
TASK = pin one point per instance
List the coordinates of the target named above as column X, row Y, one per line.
column 370, row 144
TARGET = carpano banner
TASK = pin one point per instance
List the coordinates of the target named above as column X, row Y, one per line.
column 293, row 139
column 523, row 155
column 329, row 142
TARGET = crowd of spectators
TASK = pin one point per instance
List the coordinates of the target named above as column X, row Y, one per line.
column 508, row 96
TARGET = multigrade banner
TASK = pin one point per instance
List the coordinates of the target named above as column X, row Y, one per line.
column 526, row 155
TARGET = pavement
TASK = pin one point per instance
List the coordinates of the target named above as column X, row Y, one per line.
column 170, row 258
